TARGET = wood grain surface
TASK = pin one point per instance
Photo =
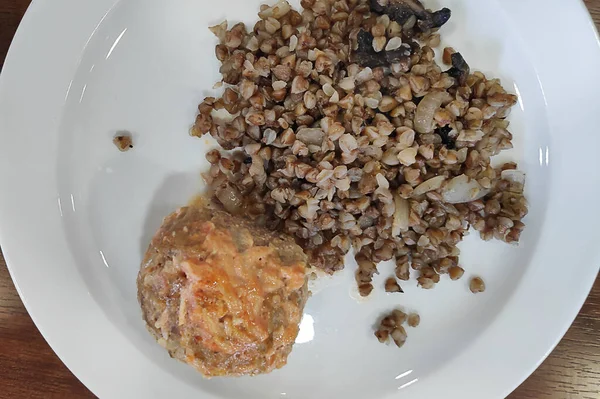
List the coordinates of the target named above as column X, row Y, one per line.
column 29, row 368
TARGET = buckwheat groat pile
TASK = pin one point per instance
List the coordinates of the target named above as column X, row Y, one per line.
column 348, row 134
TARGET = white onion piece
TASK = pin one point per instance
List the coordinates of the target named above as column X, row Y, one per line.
column 401, row 215
column 425, row 111
column 463, row 189
column 429, row 185
column 514, row 176
column 222, row 116
column 230, row 197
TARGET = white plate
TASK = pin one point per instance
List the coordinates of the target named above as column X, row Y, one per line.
column 76, row 214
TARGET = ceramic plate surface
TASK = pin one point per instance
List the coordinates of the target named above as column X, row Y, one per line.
column 76, row 215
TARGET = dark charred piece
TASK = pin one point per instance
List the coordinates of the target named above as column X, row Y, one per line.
column 398, row 55
column 366, row 56
column 399, row 13
column 444, row 133
column 434, row 20
column 440, row 17
column 377, row 7
column 401, row 10
column 364, row 41
column 460, row 69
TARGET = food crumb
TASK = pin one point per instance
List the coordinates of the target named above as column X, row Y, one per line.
column 123, row 141
column 391, row 285
column 365, row 289
column 382, row 335
column 477, row 285
column 391, row 326
column 426, row 283
column 399, row 317
column 456, row 272
column 414, row 320
column 399, row 336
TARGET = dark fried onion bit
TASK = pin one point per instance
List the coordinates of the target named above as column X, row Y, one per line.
column 366, row 56
column 440, row 17
column 401, row 10
column 378, row 7
column 460, row 69
column 402, row 53
column 444, row 133
column 364, row 42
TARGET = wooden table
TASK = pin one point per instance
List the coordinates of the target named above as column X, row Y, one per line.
column 29, row 368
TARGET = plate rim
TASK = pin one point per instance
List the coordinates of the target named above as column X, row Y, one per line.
column 44, row 24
